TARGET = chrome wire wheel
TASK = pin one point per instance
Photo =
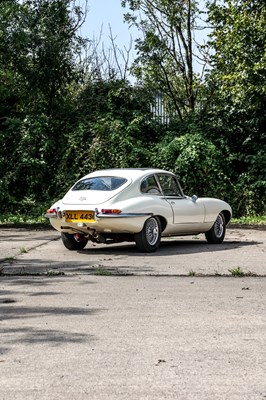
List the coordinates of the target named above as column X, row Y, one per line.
column 149, row 238
column 152, row 231
column 217, row 232
column 219, row 226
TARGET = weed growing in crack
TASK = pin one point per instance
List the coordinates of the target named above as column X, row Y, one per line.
column 23, row 250
column 102, row 271
column 237, row 272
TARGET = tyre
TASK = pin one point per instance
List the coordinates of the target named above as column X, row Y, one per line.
column 148, row 240
column 216, row 234
column 74, row 242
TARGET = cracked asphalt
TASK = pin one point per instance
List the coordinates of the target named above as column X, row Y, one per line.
column 40, row 251
column 109, row 322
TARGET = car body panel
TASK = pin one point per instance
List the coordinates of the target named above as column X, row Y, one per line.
column 187, row 211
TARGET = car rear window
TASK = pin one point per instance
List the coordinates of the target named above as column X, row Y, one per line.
column 104, row 183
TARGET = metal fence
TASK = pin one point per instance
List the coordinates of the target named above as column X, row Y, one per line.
column 159, row 111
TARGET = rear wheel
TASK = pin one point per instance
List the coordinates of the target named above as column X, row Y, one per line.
column 148, row 240
column 216, row 234
column 74, row 242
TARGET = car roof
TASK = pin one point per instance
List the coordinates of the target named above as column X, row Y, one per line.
column 132, row 173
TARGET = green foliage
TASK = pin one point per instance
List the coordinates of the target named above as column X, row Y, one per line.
column 37, row 71
column 238, row 78
column 250, row 187
column 27, row 212
column 111, row 127
column 237, row 272
column 37, row 42
column 58, row 123
column 237, row 87
column 197, row 162
column 250, row 220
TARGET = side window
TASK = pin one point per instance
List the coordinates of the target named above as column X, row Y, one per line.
column 149, row 186
column 170, row 186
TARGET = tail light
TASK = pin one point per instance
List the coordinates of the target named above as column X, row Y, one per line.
column 110, row 211
column 51, row 211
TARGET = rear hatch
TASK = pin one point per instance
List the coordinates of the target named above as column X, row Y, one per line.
column 85, row 197
column 94, row 191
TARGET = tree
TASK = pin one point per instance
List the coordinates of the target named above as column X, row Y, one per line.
column 106, row 63
column 40, row 43
column 38, row 70
column 237, row 86
column 237, row 79
column 111, row 126
column 167, row 51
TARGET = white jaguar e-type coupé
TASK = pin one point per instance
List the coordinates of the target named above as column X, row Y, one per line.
column 140, row 205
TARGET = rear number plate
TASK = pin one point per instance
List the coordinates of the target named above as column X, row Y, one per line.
column 79, row 216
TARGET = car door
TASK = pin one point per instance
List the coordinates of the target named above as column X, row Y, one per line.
column 186, row 211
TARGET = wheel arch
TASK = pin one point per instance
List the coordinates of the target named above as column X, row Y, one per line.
column 162, row 221
column 227, row 216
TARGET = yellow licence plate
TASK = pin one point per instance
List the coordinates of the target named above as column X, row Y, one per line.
column 79, row 216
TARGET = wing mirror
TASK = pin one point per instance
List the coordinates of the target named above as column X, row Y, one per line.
column 194, row 198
